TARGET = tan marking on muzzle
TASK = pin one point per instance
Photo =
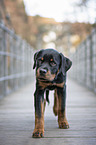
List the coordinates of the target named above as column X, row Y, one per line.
column 48, row 76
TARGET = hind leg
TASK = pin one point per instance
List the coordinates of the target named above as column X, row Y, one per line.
column 44, row 105
column 62, row 121
column 55, row 107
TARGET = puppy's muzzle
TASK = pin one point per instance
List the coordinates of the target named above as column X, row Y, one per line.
column 43, row 71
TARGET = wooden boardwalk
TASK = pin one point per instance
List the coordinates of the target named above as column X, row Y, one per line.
column 17, row 118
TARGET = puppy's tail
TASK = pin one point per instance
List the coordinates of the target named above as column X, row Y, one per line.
column 47, row 96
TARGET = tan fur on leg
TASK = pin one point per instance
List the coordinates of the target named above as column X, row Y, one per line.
column 39, row 124
column 55, row 107
column 62, row 121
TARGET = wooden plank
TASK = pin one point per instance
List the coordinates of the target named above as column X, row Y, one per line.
column 17, row 118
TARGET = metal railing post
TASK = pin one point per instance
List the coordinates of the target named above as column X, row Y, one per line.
column 15, row 61
column 84, row 62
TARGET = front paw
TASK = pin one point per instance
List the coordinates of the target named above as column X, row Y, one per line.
column 38, row 133
column 63, row 125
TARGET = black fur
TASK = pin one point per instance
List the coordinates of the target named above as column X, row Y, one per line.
column 55, row 63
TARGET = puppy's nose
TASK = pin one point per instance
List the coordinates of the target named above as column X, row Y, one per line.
column 43, row 71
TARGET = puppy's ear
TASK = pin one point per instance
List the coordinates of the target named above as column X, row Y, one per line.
column 65, row 64
column 68, row 64
column 35, row 58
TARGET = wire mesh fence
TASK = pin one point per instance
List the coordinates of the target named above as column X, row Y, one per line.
column 15, row 61
column 84, row 62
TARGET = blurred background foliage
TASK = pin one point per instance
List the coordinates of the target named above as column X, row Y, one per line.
column 43, row 32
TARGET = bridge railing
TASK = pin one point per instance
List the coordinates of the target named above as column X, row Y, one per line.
column 84, row 62
column 15, row 61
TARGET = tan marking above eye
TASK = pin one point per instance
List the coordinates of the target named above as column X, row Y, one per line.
column 51, row 59
column 42, row 58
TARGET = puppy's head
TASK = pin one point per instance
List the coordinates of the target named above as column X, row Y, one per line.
column 50, row 63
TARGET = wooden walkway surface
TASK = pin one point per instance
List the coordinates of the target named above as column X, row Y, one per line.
column 17, row 118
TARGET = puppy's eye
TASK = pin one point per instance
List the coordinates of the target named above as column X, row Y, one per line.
column 52, row 63
column 41, row 60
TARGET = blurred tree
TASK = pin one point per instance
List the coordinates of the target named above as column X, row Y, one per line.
column 83, row 2
column 69, row 35
column 87, row 6
column 33, row 29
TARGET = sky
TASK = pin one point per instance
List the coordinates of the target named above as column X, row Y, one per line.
column 61, row 10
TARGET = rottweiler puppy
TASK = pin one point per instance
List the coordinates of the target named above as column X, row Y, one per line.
column 51, row 67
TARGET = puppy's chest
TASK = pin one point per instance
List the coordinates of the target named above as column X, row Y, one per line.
column 50, row 85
